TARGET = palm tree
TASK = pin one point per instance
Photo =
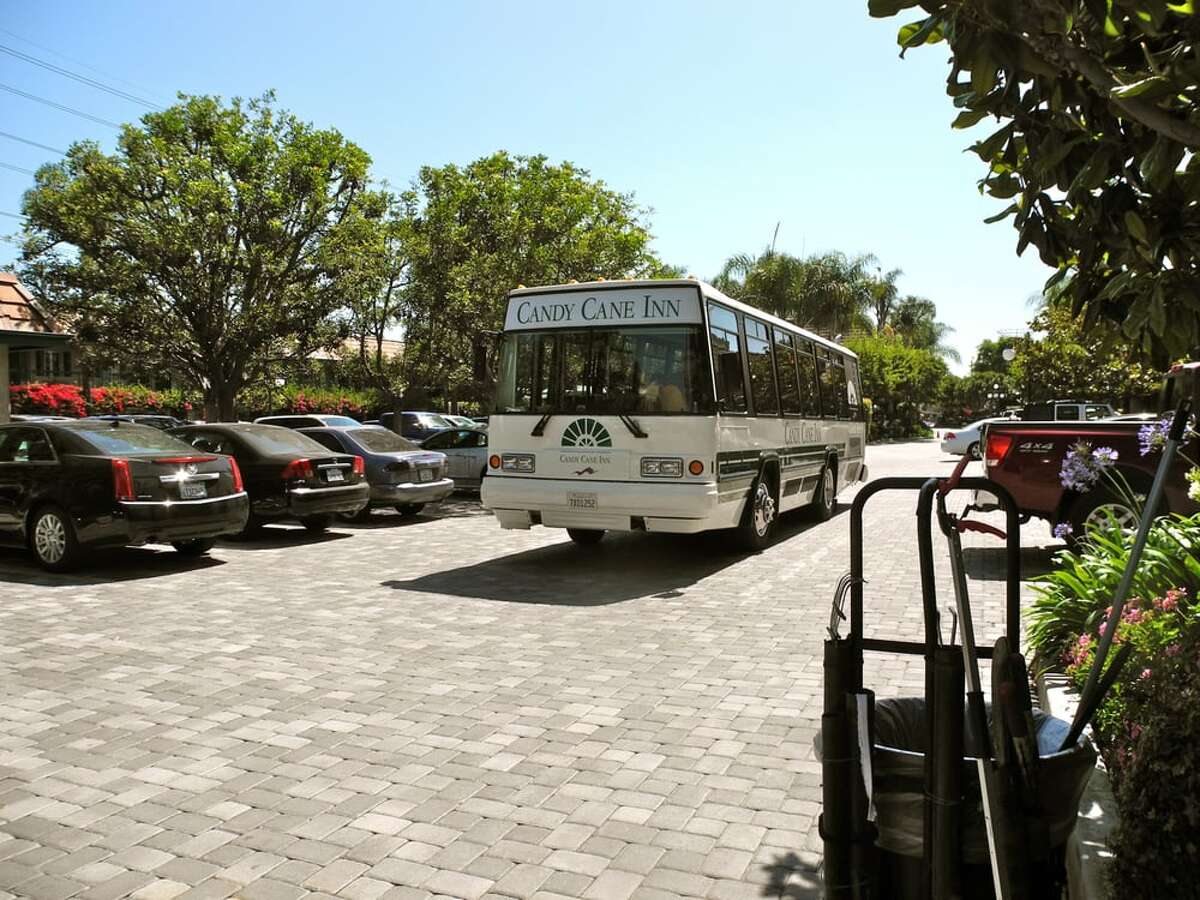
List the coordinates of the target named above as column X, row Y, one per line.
column 914, row 320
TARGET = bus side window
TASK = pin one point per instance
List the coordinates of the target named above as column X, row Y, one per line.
column 830, row 402
column 762, row 370
column 806, row 369
column 727, row 358
column 785, row 367
column 853, row 389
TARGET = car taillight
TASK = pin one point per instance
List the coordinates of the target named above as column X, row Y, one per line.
column 949, row 436
column 238, row 486
column 122, row 480
column 998, row 446
column 360, row 466
column 298, row 469
column 182, row 460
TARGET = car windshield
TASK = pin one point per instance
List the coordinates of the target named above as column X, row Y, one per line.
column 380, row 440
column 128, row 439
column 339, row 421
column 270, row 439
column 606, row 370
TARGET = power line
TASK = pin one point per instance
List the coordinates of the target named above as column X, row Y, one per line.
column 4, row 165
column 82, row 79
column 109, row 75
column 68, row 109
column 12, row 215
column 13, row 137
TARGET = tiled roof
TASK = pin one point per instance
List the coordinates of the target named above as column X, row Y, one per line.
column 18, row 309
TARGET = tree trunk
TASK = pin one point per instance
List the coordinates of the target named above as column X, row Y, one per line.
column 219, row 401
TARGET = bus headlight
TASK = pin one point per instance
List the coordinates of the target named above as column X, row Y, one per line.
column 662, row 467
column 518, row 462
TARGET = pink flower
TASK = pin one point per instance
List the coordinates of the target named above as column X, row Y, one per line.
column 1146, row 673
column 1169, row 603
column 1174, row 650
column 1135, row 731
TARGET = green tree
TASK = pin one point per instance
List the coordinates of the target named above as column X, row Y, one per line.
column 915, row 320
column 1063, row 358
column 481, row 230
column 1096, row 147
column 902, row 382
column 829, row 293
column 989, row 355
column 884, row 294
column 205, row 245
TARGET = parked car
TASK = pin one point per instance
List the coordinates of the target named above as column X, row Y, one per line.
column 1027, row 459
column 401, row 474
column 288, row 475
column 966, row 440
column 23, row 417
column 415, row 425
column 458, row 421
column 68, row 487
column 162, row 423
column 1066, row 411
column 466, row 453
column 317, row 420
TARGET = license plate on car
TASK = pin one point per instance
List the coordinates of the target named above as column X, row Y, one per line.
column 192, row 490
column 426, row 474
column 582, row 501
column 334, row 475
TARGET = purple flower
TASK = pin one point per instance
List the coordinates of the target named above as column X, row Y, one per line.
column 1081, row 468
column 1153, row 435
column 1063, row 530
column 1104, row 457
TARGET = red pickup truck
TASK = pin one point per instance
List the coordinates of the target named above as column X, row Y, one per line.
column 1027, row 458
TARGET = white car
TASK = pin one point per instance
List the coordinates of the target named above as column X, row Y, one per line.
column 460, row 421
column 466, row 452
column 965, row 440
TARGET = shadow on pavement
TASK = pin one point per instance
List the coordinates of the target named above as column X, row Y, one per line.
column 621, row 567
column 453, row 507
column 276, row 537
column 102, row 567
column 792, row 879
column 988, row 563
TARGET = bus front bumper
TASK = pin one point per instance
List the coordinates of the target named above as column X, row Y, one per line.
column 680, row 508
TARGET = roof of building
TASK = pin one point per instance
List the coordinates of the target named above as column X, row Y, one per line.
column 349, row 350
column 20, row 314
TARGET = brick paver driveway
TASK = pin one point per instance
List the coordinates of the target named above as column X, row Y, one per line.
column 437, row 707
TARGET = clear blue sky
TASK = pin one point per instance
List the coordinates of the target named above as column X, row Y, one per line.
column 723, row 118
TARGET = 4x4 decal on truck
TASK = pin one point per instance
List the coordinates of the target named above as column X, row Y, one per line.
column 586, row 433
column 1035, row 447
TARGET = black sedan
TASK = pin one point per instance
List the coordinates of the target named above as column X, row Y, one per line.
column 162, row 423
column 287, row 474
column 66, row 487
column 402, row 475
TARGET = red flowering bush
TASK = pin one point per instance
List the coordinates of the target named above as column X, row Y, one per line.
column 47, row 399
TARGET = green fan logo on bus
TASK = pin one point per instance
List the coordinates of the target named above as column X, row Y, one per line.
column 586, row 433
column 596, row 309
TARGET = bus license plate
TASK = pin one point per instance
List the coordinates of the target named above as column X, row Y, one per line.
column 582, row 501
column 334, row 475
column 426, row 474
column 192, row 490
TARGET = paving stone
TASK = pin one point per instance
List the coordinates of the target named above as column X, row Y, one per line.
column 486, row 704
column 458, row 884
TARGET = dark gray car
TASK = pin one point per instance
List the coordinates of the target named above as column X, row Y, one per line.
column 401, row 474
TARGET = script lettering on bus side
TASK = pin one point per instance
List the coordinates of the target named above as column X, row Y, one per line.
column 599, row 309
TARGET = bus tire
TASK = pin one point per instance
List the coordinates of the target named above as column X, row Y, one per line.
column 757, row 528
column 585, row 537
column 824, row 501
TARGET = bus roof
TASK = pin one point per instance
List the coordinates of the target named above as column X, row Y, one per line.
column 706, row 289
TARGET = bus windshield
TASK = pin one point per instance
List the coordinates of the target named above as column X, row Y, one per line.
column 656, row 370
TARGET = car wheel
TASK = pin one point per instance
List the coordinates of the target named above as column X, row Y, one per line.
column 1102, row 508
column 316, row 524
column 586, row 537
column 409, row 510
column 53, row 541
column 973, row 451
column 824, row 501
column 197, row 547
column 757, row 528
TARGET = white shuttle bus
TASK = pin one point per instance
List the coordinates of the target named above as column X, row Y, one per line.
column 666, row 406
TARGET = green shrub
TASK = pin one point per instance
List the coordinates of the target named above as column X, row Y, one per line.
column 299, row 398
column 1156, row 844
column 1071, row 600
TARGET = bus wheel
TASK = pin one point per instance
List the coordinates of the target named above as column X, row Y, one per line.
column 585, row 536
column 825, row 499
column 758, row 521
